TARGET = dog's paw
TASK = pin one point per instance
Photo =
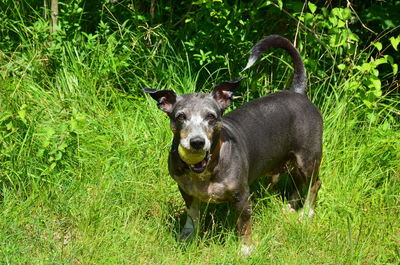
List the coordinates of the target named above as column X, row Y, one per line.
column 288, row 208
column 246, row 250
column 186, row 234
column 306, row 213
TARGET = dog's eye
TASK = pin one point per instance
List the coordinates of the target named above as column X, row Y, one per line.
column 210, row 117
column 181, row 117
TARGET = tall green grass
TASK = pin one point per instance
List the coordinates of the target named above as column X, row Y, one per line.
column 84, row 179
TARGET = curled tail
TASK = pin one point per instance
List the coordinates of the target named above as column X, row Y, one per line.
column 299, row 82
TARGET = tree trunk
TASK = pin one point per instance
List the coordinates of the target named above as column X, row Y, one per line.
column 45, row 14
column 54, row 15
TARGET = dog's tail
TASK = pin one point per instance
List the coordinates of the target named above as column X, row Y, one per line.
column 299, row 82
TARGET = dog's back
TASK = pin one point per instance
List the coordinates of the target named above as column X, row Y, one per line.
column 274, row 128
column 282, row 132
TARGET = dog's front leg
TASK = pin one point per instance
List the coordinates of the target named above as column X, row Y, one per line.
column 244, row 210
column 192, row 219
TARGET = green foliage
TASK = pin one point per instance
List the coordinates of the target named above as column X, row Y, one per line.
column 364, row 69
column 220, row 27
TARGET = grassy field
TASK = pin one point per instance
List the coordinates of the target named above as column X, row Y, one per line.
column 84, row 179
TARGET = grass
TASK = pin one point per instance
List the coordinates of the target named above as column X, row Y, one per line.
column 84, row 177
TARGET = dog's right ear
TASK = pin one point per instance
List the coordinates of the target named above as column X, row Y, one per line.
column 165, row 98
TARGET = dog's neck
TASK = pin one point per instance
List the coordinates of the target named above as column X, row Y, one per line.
column 214, row 151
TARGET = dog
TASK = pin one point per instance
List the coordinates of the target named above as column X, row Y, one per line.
column 280, row 133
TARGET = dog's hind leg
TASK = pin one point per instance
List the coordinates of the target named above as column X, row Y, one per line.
column 306, row 182
column 295, row 197
column 312, row 196
column 243, row 207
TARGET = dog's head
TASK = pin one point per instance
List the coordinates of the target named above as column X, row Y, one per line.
column 195, row 119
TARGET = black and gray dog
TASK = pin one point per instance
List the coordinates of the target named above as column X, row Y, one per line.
column 275, row 134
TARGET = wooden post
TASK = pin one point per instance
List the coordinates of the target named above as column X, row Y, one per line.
column 152, row 9
column 54, row 15
column 45, row 9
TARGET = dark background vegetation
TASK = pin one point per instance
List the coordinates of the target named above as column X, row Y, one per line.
column 218, row 34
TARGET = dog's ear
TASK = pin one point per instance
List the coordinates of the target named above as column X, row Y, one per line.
column 165, row 98
column 223, row 92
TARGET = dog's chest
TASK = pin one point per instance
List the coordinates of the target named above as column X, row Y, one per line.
column 200, row 186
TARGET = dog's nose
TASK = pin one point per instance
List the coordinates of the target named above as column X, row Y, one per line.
column 197, row 142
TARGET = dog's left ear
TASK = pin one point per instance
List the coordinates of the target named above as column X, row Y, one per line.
column 223, row 92
column 166, row 98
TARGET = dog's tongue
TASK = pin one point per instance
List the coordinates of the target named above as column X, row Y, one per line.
column 199, row 167
column 201, row 164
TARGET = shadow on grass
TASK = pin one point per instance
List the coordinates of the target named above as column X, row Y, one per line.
column 217, row 221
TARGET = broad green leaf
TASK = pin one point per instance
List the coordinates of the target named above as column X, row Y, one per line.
column 377, row 45
column 395, row 68
column 342, row 13
column 40, row 152
column 345, row 14
column 22, row 115
column 268, row 3
column 280, row 4
column 73, row 124
column 353, row 36
column 337, row 40
column 9, row 126
column 58, row 156
column 385, row 126
column 199, row 2
column 395, row 42
column 389, row 23
column 62, row 146
column 341, row 24
column 52, row 166
column 335, row 11
column 378, row 93
column 352, row 85
column 49, row 131
column 375, row 83
column 325, row 11
column 367, row 103
column 379, row 61
column 365, row 67
column 312, row 7
column 372, row 117
column 389, row 59
column 308, row 17
column 333, row 20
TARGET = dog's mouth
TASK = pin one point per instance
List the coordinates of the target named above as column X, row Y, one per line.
column 201, row 166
